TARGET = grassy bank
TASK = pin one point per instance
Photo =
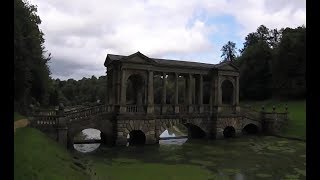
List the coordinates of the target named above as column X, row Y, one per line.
column 297, row 115
column 38, row 157
column 17, row 116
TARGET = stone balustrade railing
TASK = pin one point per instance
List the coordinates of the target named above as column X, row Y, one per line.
column 206, row 108
column 86, row 112
column 45, row 120
column 183, row 109
column 276, row 116
column 228, row 109
column 170, row 109
column 135, row 109
column 157, row 108
column 46, row 112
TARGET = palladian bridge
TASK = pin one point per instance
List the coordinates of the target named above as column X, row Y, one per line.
column 146, row 96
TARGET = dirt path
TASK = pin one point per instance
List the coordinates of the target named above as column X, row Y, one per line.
column 20, row 123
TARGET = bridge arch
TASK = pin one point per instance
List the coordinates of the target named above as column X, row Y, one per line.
column 227, row 90
column 136, row 137
column 99, row 122
column 251, row 128
column 194, row 126
column 229, row 132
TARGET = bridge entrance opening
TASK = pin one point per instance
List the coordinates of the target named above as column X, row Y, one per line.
column 87, row 140
column 229, row 132
column 136, row 138
column 195, row 132
column 250, row 129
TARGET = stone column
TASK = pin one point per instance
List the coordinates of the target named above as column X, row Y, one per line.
column 237, row 94
column 123, row 95
column 111, row 87
column 200, row 93
column 219, row 94
column 189, row 93
column 150, row 107
column 108, row 86
column 164, row 94
column 62, row 130
column 139, row 96
column 176, row 94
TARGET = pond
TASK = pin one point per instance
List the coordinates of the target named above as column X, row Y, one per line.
column 247, row 157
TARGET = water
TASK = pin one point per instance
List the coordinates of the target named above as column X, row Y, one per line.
column 250, row 157
column 88, row 134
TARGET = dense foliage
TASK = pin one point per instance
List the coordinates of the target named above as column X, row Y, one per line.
column 72, row 92
column 273, row 64
column 31, row 72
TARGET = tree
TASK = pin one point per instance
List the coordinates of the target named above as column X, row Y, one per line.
column 229, row 51
column 289, row 66
column 31, row 72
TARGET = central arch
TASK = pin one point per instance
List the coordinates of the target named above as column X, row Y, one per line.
column 229, row 132
column 195, row 132
column 227, row 92
column 136, row 137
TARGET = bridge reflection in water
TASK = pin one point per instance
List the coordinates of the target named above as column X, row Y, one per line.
column 91, row 136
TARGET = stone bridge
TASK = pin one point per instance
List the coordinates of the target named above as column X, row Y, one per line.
column 146, row 96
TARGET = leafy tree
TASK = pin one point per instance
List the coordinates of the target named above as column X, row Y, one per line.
column 31, row 72
column 229, row 51
column 272, row 62
column 289, row 66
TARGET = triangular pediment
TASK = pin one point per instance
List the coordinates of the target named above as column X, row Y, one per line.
column 138, row 58
column 228, row 66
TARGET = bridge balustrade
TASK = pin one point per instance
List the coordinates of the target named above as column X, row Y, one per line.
column 170, row 109
column 135, row 109
column 157, row 109
column 45, row 120
column 206, row 108
column 183, row 109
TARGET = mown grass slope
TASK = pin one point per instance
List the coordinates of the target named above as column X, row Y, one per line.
column 36, row 156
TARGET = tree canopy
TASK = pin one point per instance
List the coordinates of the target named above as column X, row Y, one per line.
column 229, row 51
column 272, row 63
column 31, row 71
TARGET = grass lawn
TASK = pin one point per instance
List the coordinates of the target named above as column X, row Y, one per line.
column 18, row 116
column 38, row 157
column 123, row 170
column 297, row 115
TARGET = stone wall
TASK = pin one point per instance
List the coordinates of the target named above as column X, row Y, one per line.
column 224, row 121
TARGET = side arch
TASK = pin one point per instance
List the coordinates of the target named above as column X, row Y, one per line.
column 195, row 126
column 101, row 123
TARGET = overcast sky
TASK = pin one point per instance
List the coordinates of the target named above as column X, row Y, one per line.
column 80, row 33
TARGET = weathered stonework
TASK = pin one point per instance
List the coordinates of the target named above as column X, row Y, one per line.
column 120, row 116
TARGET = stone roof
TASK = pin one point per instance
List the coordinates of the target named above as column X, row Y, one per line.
column 168, row 62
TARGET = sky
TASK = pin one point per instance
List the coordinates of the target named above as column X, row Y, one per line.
column 80, row 33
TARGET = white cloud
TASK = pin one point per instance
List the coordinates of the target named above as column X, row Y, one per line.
column 82, row 32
